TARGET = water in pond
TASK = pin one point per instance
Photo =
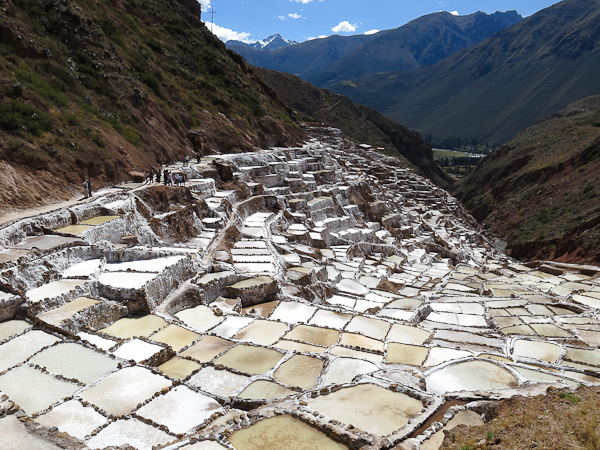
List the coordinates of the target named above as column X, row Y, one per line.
column 282, row 433
column 128, row 328
column 53, row 289
column 368, row 407
column 12, row 327
column 207, row 348
column 249, row 359
column 412, row 355
column 180, row 409
column 137, row 350
column 359, row 341
column 265, row 389
column 545, row 351
column 121, row 391
column 98, row 220
column 343, row 370
column 175, row 336
column 129, row 432
column 471, row 376
column 75, row 361
column 56, row 316
column 22, row 347
column 179, row 368
column 20, row 382
column 218, row 382
column 377, row 329
column 314, row 335
column 262, row 332
column 74, row 229
column 73, row 418
column 299, row 371
column 200, row 318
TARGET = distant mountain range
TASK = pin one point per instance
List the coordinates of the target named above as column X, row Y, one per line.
column 423, row 41
column 273, row 42
column 492, row 90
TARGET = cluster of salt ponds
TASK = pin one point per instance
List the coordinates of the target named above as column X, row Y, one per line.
column 346, row 332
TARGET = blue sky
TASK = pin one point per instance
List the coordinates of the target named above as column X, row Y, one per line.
column 299, row 20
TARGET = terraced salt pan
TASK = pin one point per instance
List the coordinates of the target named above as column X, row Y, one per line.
column 207, row 348
column 352, row 287
column 299, row 371
column 218, row 382
column 21, row 382
column 126, row 280
column 58, row 315
column 546, row 351
column 314, row 335
column 361, row 342
column 231, row 325
column 294, row 346
column 411, row 355
column 368, row 407
column 137, row 350
column 262, row 332
column 249, row 359
column 470, row 375
column 282, row 432
column 74, row 229
column 11, row 328
column 121, row 391
column 265, row 389
column 439, row 355
column 129, row 432
column 176, row 337
column 22, row 347
column 98, row 220
column 180, row 409
column 84, row 269
column 75, row 361
column 377, row 329
column 73, row 418
column 156, row 265
column 100, row 342
column 293, row 312
column 343, row 370
column 536, row 375
column 179, row 368
column 127, row 328
column 330, row 319
column 200, row 318
column 53, row 289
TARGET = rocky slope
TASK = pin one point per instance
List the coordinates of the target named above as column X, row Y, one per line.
column 497, row 88
column 359, row 123
column 101, row 90
column 540, row 191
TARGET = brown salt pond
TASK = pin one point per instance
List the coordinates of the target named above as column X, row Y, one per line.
column 207, row 348
column 282, row 433
column 299, row 371
column 127, row 328
column 314, row 335
column 249, row 359
column 179, row 368
column 265, row 389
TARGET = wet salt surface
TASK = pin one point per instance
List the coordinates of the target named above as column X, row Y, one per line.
column 131, row 432
column 11, row 328
column 73, row 418
column 53, row 289
column 56, row 316
column 180, row 409
column 22, row 347
column 137, row 350
column 126, row 280
column 218, row 382
column 83, row 269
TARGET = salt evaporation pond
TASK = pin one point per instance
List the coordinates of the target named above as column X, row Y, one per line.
column 127, row 328
column 262, row 332
column 84, row 269
column 98, row 220
column 121, row 391
column 343, row 370
column 54, row 289
column 75, row 361
column 249, row 359
column 200, row 318
column 207, row 348
column 263, row 389
column 137, row 350
column 175, row 336
column 20, row 382
column 368, row 407
column 73, row 418
column 299, row 371
column 180, row 409
column 126, row 280
column 282, row 432
column 97, row 341
column 22, row 347
column 12, row 327
column 470, row 375
column 218, row 382
column 129, row 432
column 179, row 368
column 57, row 316
column 148, row 265
column 314, row 335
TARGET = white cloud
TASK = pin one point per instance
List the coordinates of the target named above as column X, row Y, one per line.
column 344, row 27
column 204, row 5
column 290, row 16
column 312, row 38
column 226, row 34
column 368, row 33
column 454, row 13
column 304, row 2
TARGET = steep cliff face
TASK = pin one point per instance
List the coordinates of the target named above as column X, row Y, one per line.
column 540, row 191
column 98, row 89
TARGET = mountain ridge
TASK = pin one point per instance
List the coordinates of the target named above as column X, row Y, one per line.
column 273, row 42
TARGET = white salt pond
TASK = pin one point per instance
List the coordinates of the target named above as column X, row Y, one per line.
column 129, row 327
column 293, row 312
column 73, row 418
column 263, row 389
column 218, row 382
column 11, row 328
column 75, row 361
column 207, row 348
column 121, row 391
column 53, row 289
column 22, row 347
column 100, row 342
column 368, row 407
column 137, row 350
column 343, row 370
column 200, row 318
column 282, row 432
column 470, row 375
column 20, row 382
column 180, row 409
column 126, row 280
column 231, row 326
column 176, row 337
column 149, row 265
column 64, row 312
column 129, row 432
column 262, row 332
column 84, row 269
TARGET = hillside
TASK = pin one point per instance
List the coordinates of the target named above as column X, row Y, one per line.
column 540, row 191
column 421, row 42
column 306, row 58
column 105, row 89
column 359, row 123
column 493, row 90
